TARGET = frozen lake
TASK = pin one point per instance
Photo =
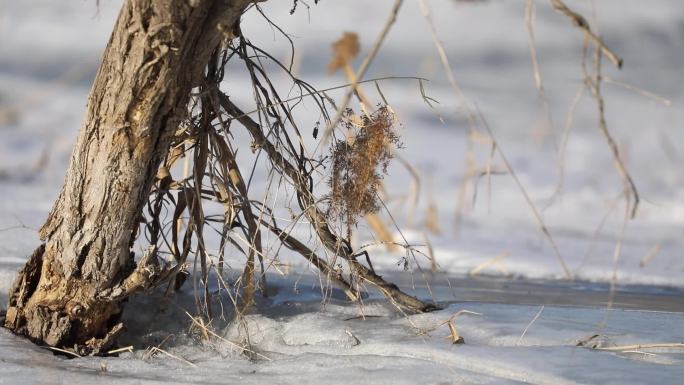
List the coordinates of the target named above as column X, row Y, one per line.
column 295, row 340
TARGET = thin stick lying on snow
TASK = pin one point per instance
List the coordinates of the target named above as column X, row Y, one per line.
column 156, row 349
column 127, row 349
column 640, row 352
column 69, row 352
column 677, row 345
column 529, row 325
column 422, row 331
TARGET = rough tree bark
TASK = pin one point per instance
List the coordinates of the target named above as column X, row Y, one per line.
column 70, row 293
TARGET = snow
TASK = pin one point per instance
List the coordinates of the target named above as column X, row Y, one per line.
column 49, row 56
column 333, row 344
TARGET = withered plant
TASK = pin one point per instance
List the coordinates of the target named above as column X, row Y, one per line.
column 202, row 168
column 359, row 164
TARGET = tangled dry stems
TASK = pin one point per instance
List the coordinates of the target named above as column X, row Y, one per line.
column 202, row 171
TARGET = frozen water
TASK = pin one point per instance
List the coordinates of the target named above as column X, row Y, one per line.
column 335, row 345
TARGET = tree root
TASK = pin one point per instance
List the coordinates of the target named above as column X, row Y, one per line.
column 61, row 312
column 70, row 313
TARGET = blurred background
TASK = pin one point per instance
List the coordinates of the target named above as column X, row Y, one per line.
column 472, row 225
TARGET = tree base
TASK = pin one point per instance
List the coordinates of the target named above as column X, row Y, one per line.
column 60, row 312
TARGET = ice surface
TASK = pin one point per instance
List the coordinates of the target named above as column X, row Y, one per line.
column 50, row 52
column 334, row 345
column 47, row 65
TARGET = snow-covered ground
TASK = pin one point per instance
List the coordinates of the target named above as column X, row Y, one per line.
column 304, row 343
column 48, row 56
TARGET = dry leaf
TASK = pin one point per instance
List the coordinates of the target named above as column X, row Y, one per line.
column 344, row 51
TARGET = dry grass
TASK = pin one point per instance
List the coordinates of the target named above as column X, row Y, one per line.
column 345, row 51
column 359, row 164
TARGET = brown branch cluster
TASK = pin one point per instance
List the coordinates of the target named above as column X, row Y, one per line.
column 202, row 169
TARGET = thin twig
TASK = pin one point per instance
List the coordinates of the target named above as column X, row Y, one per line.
column 127, row 349
column 630, row 187
column 470, row 114
column 538, row 217
column 181, row 359
column 362, row 70
column 648, row 94
column 563, row 146
column 69, row 352
column 530, row 21
column 582, row 23
column 675, row 345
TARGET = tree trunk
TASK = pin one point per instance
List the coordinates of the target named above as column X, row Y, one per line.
column 70, row 293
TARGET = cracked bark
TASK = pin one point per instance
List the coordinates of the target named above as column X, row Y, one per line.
column 70, row 293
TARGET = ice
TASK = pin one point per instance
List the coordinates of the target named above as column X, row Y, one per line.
column 328, row 347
